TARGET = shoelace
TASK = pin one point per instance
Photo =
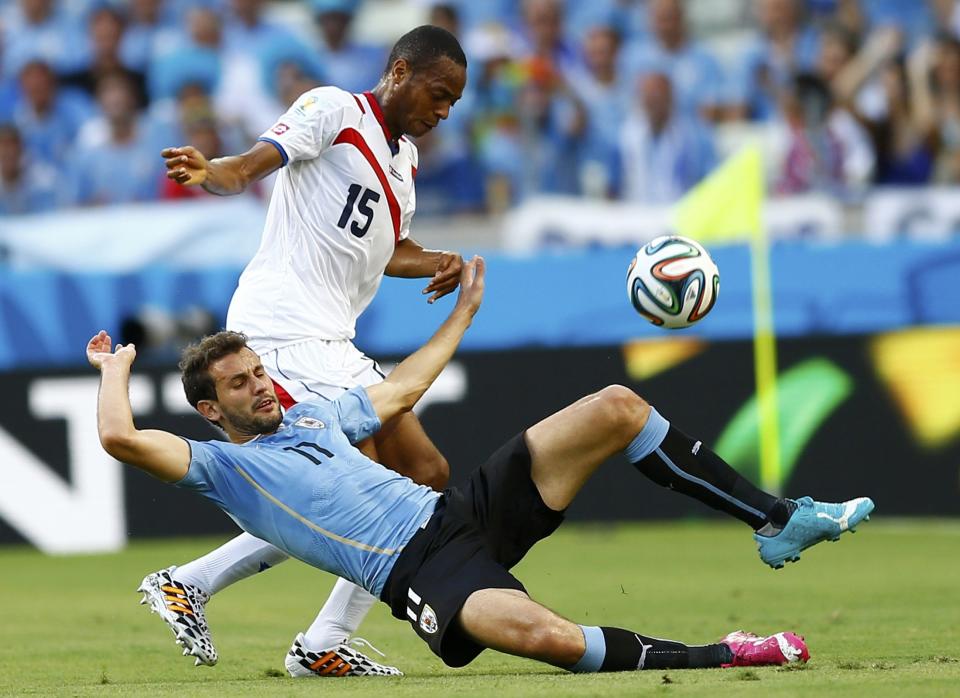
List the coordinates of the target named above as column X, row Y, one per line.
column 364, row 644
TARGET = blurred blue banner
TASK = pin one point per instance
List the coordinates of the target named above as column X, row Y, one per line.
column 550, row 299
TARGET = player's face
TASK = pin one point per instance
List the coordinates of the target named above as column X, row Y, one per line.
column 246, row 400
column 425, row 98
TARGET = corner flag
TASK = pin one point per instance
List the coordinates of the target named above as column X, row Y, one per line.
column 725, row 207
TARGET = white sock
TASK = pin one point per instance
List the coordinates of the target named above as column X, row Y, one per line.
column 340, row 616
column 236, row 559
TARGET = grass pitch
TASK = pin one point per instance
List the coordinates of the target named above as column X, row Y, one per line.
column 880, row 612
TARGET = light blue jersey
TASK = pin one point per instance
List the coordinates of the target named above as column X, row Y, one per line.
column 308, row 491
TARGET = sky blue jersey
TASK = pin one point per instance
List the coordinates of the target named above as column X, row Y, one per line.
column 308, row 491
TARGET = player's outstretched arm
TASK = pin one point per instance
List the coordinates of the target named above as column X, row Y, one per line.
column 159, row 453
column 411, row 261
column 222, row 176
column 411, row 378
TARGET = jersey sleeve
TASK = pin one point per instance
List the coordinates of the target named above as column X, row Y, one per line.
column 356, row 415
column 203, row 456
column 309, row 126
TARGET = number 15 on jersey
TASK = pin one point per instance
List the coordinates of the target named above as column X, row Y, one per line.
column 362, row 207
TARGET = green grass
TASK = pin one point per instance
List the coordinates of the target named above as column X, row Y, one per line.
column 879, row 611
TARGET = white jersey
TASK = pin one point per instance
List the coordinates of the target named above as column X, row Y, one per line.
column 341, row 203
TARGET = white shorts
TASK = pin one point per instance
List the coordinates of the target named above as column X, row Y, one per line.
column 320, row 368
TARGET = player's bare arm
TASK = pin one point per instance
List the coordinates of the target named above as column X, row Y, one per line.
column 161, row 454
column 411, row 378
column 411, row 260
column 222, row 176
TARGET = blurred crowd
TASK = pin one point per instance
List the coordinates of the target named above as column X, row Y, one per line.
column 622, row 99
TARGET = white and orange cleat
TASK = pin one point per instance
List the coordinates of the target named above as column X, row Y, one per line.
column 342, row 660
column 181, row 606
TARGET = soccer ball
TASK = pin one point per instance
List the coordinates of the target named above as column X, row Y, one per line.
column 673, row 282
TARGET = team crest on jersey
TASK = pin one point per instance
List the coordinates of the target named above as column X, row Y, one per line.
column 309, row 423
column 280, row 129
column 428, row 620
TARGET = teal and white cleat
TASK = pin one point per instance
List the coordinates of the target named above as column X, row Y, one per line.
column 812, row 523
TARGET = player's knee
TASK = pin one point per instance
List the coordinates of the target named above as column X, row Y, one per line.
column 434, row 471
column 625, row 410
column 553, row 644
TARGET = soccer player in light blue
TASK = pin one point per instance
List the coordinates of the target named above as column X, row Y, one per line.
column 441, row 561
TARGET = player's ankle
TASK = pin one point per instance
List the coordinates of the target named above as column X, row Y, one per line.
column 323, row 638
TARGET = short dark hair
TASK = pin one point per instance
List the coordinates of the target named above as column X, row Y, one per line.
column 424, row 46
column 196, row 359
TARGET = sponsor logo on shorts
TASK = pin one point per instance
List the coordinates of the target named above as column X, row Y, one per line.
column 309, row 423
column 428, row 620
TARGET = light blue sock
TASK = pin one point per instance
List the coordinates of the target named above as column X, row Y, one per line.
column 649, row 438
column 593, row 656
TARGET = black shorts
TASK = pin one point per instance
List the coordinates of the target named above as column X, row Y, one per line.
column 476, row 534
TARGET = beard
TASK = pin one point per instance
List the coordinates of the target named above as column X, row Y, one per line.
column 254, row 424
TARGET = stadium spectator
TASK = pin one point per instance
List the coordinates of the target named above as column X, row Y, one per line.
column 260, row 60
column 48, row 120
column 786, row 46
column 934, row 72
column 245, row 29
column 353, row 65
column 33, row 30
column 496, row 124
column 912, row 19
column 551, row 118
column 826, row 149
column 445, row 16
column 602, row 90
column 449, row 178
column 146, row 34
column 113, row 162
column 872, row 85
column 26, row 186
column 698, row 82
column 546, row 54
column 663, row 153
column 106, row 26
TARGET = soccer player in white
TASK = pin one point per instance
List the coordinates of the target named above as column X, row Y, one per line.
column 338, row 219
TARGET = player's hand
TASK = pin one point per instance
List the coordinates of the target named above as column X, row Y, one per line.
column 446, row 278
column 186, row 165
column 471, row 284
column 100, row 355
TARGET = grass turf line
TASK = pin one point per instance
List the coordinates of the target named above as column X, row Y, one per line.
column 878, row 610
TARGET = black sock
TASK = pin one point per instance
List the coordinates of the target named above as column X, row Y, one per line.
column 628, row 651
column 689, row 467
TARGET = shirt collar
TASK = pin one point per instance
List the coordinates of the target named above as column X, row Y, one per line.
column 378, row 113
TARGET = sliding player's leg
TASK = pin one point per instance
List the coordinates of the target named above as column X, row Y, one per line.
column 404, row 447
column 509, row 621
column 569, row 445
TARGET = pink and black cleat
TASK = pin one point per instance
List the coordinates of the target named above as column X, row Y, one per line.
column 775, row 650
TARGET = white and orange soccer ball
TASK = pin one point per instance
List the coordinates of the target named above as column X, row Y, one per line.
column 673, row 282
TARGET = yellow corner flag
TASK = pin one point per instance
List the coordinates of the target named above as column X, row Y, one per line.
column 727, row 206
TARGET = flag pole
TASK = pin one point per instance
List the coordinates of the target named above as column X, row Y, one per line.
column 765, row 361
column 727, row 206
